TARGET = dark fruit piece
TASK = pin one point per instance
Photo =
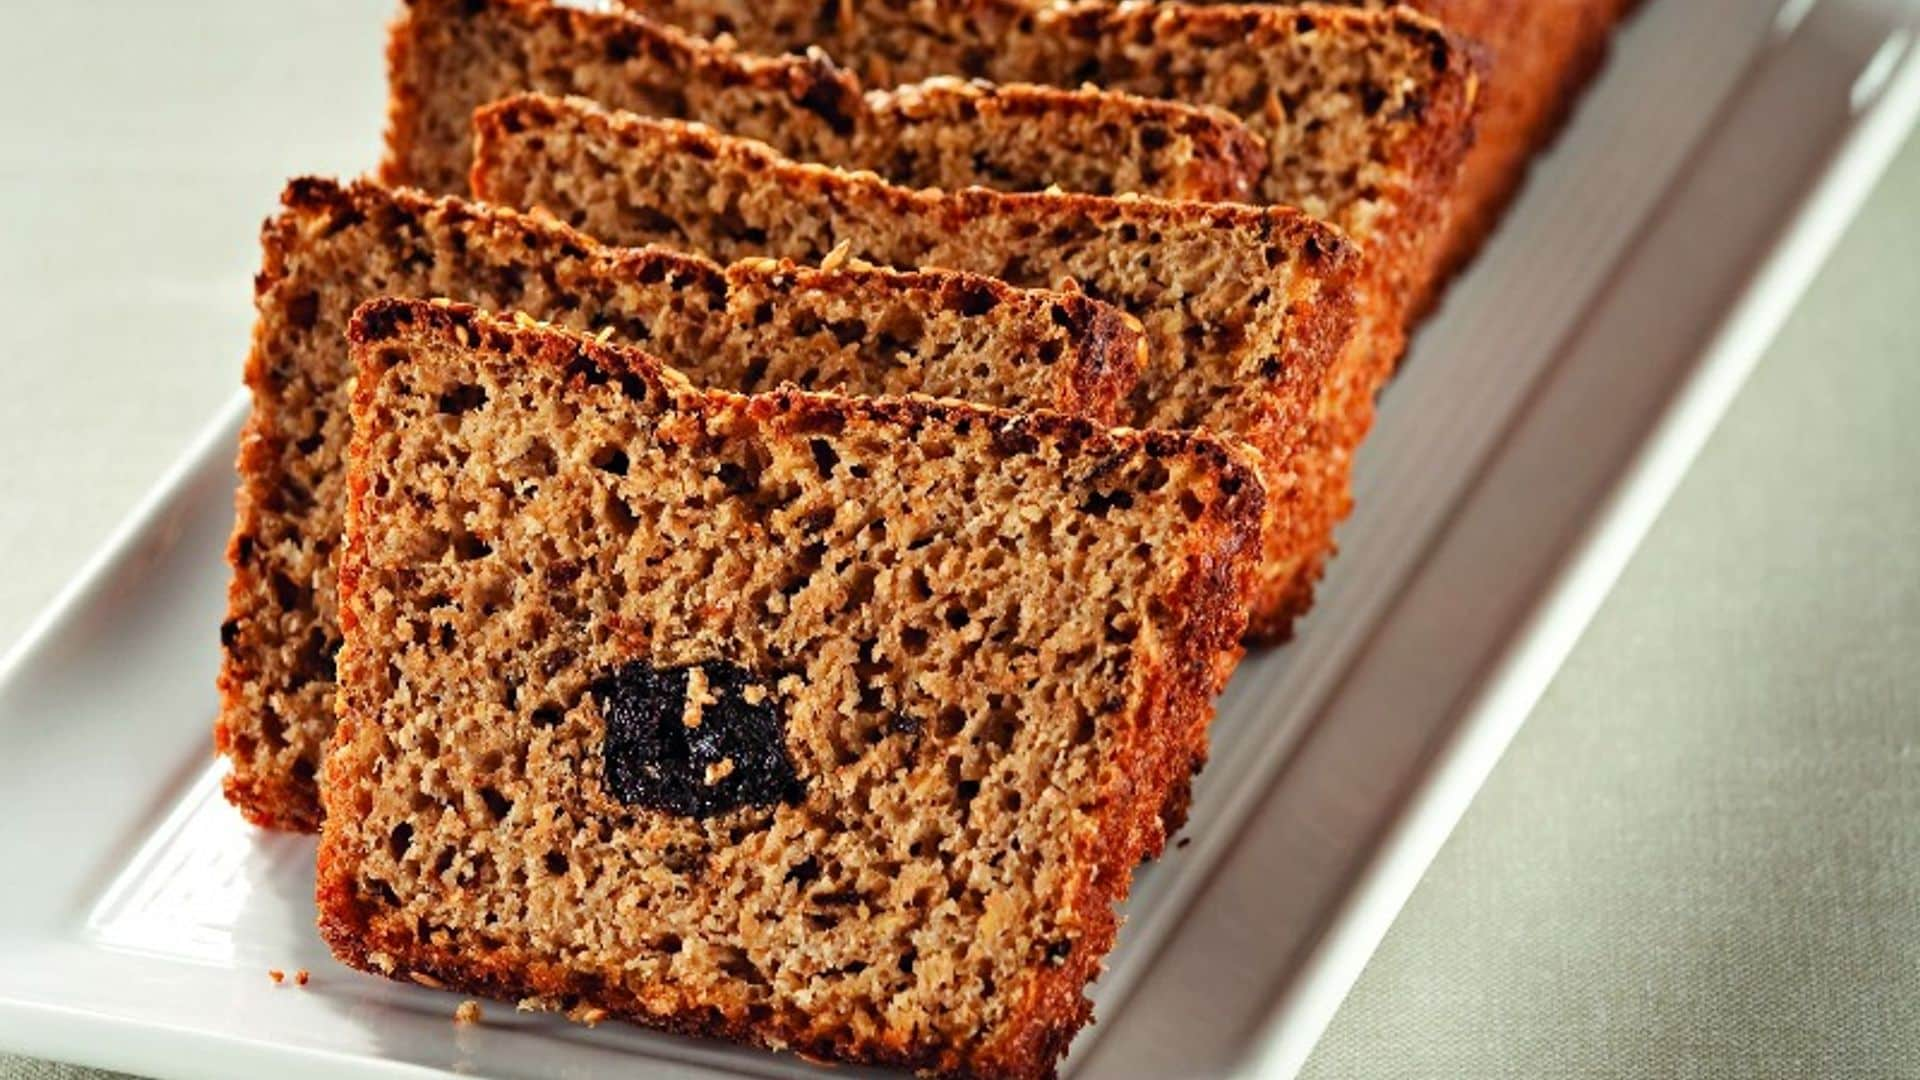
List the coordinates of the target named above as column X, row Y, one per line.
column 693, row 747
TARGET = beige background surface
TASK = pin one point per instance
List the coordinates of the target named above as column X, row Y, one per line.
column 1701, row 858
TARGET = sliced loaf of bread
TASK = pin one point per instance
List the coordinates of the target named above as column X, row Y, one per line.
column 1367, row 114
column 1535, row 56
column 448, row 57
column 747, row 327
column 828, row 724
column 1247, row 310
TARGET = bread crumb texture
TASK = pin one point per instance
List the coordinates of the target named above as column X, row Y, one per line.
column 1365, row 112
column 1537, row 56
column 830, row 724
column 448, row 57
column 1258, row 320
column 746, row 327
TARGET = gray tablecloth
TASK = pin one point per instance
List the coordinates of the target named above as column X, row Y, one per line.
column 1701, row 857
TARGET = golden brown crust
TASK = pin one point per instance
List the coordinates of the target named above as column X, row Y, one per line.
column 276, row 679
column 1204, row 620
column 447, row 57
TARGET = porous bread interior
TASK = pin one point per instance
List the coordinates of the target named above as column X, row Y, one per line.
column 988, row 636
column 1536, row 54
column 948, row 133
column 449, row 56
column 1364, row 113
column 1249, row 312
column 748, row 327
column 1367, row 117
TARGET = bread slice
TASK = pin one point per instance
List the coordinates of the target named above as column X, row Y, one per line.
column 1246, row 309
column 828, row 724
column 449, row 56
column 1367, row 114
column 1538, row 55
column 746, row 327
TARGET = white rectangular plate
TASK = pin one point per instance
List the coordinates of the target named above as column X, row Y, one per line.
column 1540, row 424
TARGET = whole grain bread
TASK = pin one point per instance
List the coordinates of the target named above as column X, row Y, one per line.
column 828, row 724
column 1248, row 310
column 447, row 57
column 747, row 327
column 1366, row 114
column 1536, row 55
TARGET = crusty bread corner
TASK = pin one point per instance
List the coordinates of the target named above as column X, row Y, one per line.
column 1535, row 60
column 1199, row 622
